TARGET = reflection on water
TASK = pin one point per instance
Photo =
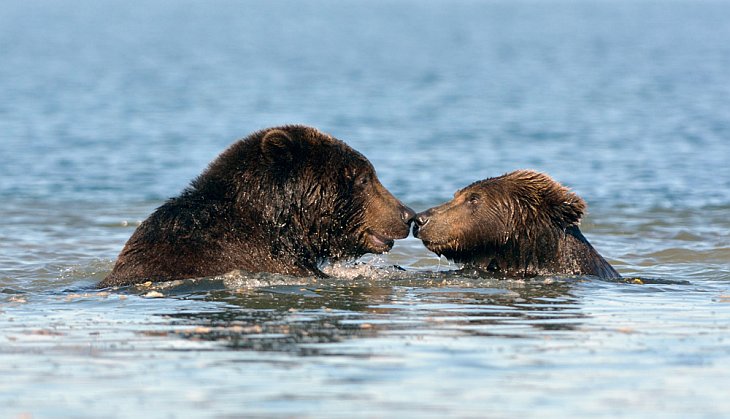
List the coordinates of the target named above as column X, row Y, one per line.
column 265, row 312
column 274, row 343
column 292, row 318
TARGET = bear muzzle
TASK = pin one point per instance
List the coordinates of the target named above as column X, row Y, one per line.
column 381, row 240
column 419, row 221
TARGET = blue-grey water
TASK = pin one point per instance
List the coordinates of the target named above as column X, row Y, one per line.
column 107, row 108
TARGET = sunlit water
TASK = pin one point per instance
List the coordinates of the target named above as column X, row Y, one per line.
column 108, row 108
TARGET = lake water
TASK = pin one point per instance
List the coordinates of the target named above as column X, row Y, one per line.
column 110, row 107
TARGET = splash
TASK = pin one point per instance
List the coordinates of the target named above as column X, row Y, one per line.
column 372, row 269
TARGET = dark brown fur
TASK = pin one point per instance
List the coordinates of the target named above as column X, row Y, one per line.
column 282, row 200
column 520, row 224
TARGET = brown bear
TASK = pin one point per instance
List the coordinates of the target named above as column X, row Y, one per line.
column 283, row 200
column 521, row 224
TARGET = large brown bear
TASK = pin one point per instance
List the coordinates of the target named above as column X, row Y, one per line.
column 282, row 200
column 521, row 224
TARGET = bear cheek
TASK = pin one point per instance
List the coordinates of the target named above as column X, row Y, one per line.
column 461, row 225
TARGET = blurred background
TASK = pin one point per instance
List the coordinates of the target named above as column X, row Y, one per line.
column 626, row 101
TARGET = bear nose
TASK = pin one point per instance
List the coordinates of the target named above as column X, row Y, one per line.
column 422, row 219
column 407, row 214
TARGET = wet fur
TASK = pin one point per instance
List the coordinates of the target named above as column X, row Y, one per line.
column 282, row 200
column 520, row 224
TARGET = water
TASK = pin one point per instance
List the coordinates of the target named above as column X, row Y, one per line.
column 108, row 108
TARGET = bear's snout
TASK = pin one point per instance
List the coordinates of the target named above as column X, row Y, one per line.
column 419, row 221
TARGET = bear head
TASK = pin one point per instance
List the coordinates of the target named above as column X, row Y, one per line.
column 309, row 194
column 518, row 217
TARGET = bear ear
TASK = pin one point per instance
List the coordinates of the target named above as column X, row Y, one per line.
column 278, row 147
column 571, row 210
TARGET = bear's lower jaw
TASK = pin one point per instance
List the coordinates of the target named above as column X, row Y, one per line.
column 376, row 243
column 440, row 247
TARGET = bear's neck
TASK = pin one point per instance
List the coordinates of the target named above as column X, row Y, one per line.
column 298, row 239
column 554, row 252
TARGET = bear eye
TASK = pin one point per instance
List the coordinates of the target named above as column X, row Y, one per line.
column 473, row 199
column 362, row 180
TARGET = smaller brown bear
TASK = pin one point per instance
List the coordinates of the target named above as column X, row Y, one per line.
column 282, row 200
column 521, row 224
